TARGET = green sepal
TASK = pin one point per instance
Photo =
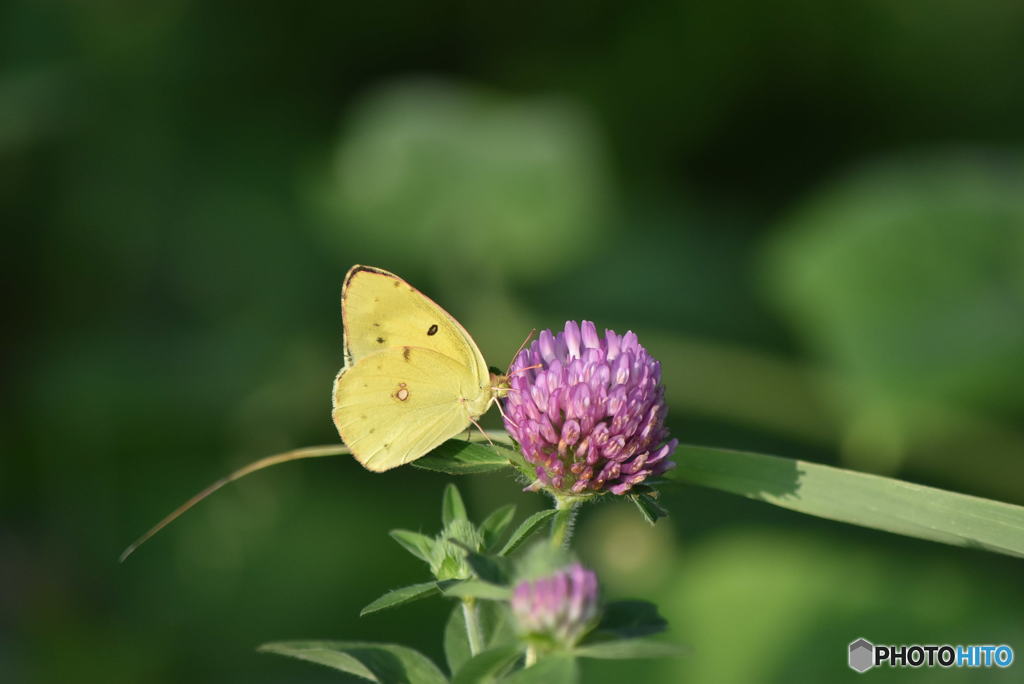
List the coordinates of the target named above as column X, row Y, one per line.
column 449, row 568
column 649, row 507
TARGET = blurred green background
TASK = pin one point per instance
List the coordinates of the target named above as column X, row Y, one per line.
column 813, row 214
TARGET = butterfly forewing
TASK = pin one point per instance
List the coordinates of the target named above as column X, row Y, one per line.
column 380, row 310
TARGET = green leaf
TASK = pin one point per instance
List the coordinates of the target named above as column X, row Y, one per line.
column 493, row 569
column 419, row 545
column 487, row 667
column 525, row 529
column 456, row 639
column 452, row 507
column 857, row 498
column 495, row 625
column 527, row 471
column 478, row 589
column 627, row 648
column 385, row 663
column 496, row 523
column 559, row 668
column 398, row 597
column 649, row 507
column 627, row 619
column 456, row 457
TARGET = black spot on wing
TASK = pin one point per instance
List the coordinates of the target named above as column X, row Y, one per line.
column 380, row 340
column 406, row 352
column 432, row 330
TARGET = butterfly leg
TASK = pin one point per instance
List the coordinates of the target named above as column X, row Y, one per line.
column 482, row 432
column 504, row 415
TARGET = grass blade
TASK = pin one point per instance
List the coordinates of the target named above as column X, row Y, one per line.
column 880, row 503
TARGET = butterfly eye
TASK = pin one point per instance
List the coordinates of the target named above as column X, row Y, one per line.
column 432, row 330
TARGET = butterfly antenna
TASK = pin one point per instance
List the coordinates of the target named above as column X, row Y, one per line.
column 524, row 369
column 533, row 331
column 294, row 455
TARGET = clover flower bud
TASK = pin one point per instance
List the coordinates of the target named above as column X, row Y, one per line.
column 447, row 559
column 559, row 608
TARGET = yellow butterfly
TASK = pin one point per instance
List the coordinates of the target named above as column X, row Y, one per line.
column 413, row 376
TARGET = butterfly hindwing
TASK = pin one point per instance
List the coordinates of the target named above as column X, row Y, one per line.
column 395, row 405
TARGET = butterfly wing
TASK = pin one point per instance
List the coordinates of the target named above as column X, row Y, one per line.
column 380, row 310
column 395, row 405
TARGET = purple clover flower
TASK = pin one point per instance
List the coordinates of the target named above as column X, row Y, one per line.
column 591, row 416
column 562, row 606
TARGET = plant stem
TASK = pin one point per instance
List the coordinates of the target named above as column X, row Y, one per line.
column 562, row 524
column 472, row 619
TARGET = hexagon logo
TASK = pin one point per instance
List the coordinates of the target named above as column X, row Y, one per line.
column 862, row 655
